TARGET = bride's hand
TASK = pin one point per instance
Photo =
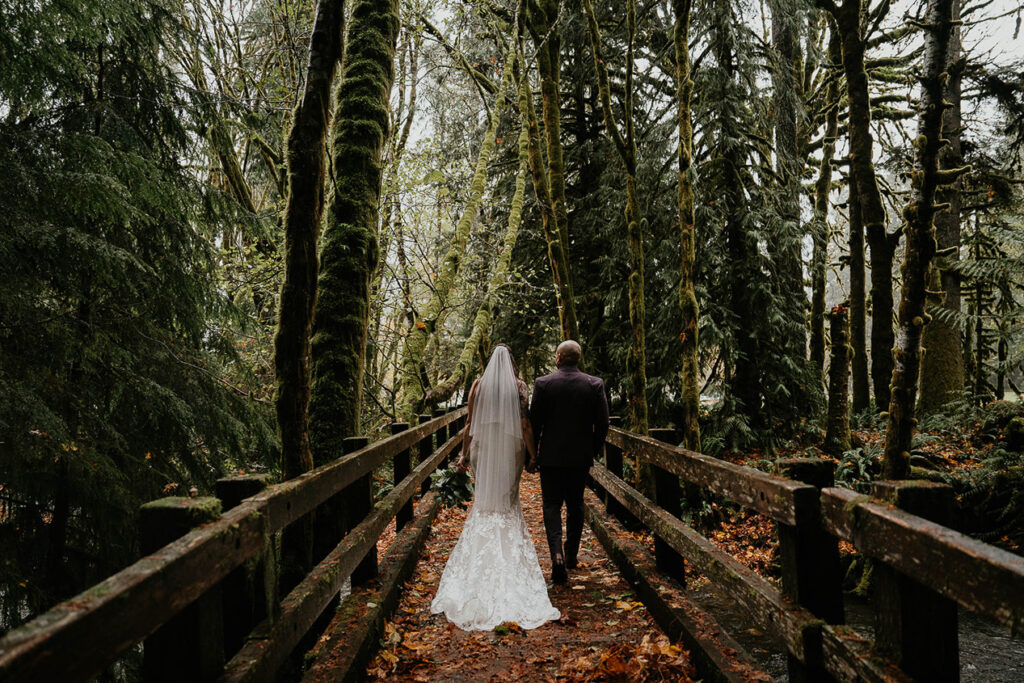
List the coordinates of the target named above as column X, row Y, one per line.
column 461, row 465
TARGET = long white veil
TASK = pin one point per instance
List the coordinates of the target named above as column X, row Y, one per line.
column 497, row 446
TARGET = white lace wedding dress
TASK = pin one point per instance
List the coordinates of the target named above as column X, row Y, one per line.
column 492, row 575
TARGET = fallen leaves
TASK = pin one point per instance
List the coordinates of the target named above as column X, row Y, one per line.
column 604, row 634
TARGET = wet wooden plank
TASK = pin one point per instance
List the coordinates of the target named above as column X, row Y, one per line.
column 848, row 659
column 715, row 654
column 77, row 638
column 271, row 643
column 353, row 636
column 781, row 499
column 981, row 577
column 793, row 625
column 296, row 497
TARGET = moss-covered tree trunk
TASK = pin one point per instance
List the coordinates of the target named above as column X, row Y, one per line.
column 872, row 212
column 542, row 17
column 820, row 228
column 837, row 427
column 688, row 311
column 499, row 276
column 349, row 251
column 412, row 386
column 306, row 153
column 920, row 245
column 625, row 144
column 942, row 367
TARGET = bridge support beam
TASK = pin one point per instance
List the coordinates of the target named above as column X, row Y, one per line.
column 424, row 448
column 613, row 461
column 358, row 499
column 811, row 574
column 667, row 495
column 250, row 591
column 190, row 646
column 400, row 467
column 914, row 625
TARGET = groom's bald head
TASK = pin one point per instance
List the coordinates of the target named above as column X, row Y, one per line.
column 568, row 353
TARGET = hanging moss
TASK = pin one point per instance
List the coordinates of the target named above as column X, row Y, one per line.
column 542, row 16
column 349, row 250
column 413, row 389
column 499, row 276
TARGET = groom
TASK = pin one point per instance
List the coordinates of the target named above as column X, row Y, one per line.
column 569, row 413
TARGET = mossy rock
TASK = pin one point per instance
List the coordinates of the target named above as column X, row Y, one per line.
column 1014, row 433
column 998, row 415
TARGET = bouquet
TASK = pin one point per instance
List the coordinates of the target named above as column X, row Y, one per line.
column 454, row 488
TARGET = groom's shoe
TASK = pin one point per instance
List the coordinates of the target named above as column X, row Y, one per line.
column 558, row 574
column 571, row 562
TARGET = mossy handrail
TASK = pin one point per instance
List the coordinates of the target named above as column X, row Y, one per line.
column 77, row 638
column 930, row 566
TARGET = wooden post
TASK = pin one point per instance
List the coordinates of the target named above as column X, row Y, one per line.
column 189, row 647
column 811, row 573
column 667, row 495
column 425, row 447
column 401, row 466
column 613, row 461
column 441, row 437
column 453, row 430
column 914, row 625
column 809, row 556
column 358, row 499
column 249, row 591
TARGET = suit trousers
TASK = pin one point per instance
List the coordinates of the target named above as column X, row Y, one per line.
column 560, row 485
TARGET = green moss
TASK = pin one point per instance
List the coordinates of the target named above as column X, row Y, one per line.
column 349, row 249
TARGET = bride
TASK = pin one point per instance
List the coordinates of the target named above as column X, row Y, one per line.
column 492, row 575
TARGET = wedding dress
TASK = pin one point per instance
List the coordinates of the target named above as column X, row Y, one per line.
column 493, row 575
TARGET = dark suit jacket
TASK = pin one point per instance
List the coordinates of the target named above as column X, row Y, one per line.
column 569, row 413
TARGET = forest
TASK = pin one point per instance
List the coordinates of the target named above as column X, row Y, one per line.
column 235, row 232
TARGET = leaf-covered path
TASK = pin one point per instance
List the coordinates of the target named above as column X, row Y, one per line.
column 604, row 633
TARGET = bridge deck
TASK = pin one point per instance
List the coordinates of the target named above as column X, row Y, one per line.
column 603, row 629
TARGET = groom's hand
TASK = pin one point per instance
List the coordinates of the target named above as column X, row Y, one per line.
column 531, row 466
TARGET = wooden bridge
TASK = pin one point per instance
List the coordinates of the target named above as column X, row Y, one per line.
column 205, row 606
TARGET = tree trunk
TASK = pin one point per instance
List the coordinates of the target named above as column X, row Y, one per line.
column 625, row 144
column 499, row 276
column 306, row 158
column 541, row 20
column 688, row 311
column 837, row 429
column 413, row 389
column 820, row 227
column 858, row 307
column 862, row 171
column 557, row 257
column 349, row 252
column 942, row 366
column 920, row 243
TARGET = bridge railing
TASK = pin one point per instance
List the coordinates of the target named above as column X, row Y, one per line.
column 174, row 598
column 922, row 569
